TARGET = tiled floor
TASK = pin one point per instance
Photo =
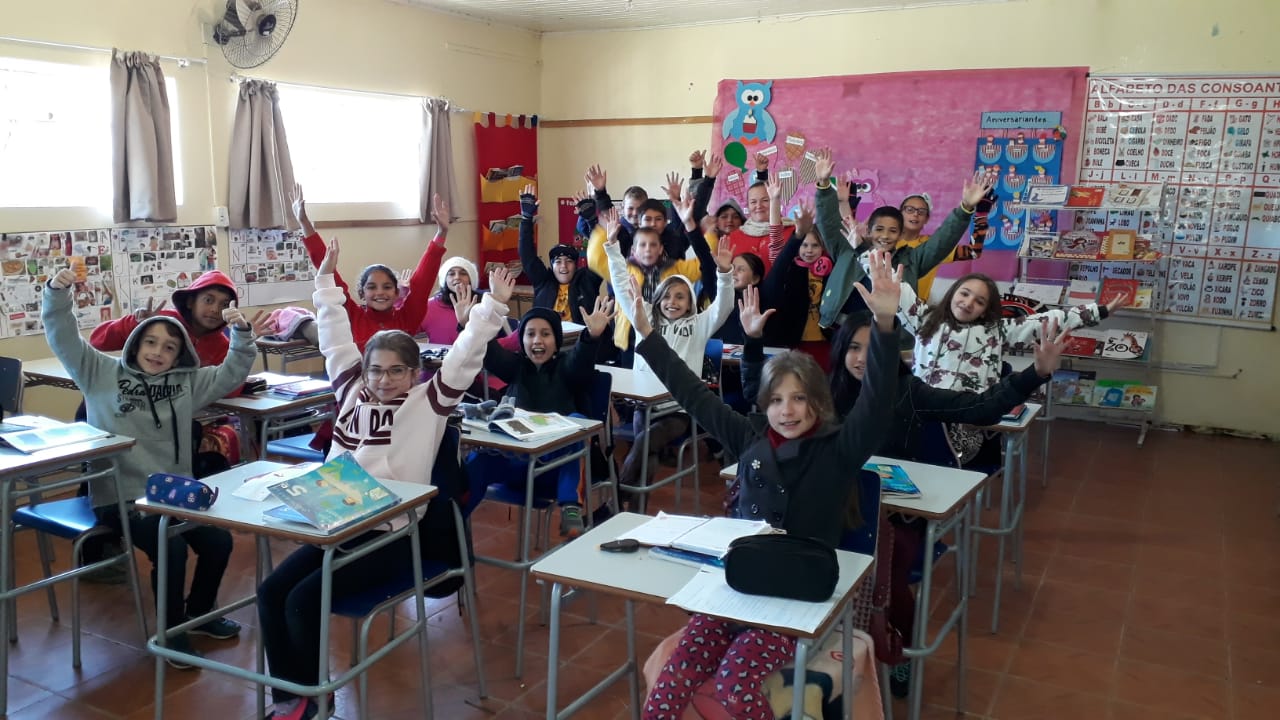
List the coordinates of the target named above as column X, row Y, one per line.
column 1151, row 590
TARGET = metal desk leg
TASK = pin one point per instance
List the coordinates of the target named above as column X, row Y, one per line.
column 326, row 606
column 920, row 635
column 553, row 652
column 634, row 678
column 261, row 569
column 802, row 661
column 8, row 607
column 524, row 561
column 643, row 500
column 162, row 607
column 963, row 567
column 846, row 662
column 1007, row 483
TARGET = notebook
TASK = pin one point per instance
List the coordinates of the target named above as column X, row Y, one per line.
column 708, row 536
column 332, row 496
column 526, row 426
column 303, row 388
column 34, row 439
column 894, row 481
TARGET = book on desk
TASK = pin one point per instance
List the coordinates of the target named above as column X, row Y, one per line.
column 894, row 481
column 705, row 536
column 330, row 497
column 302, row 389
column 29, row 433
column 524, row 425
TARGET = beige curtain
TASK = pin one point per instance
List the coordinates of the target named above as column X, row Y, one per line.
column 141, row 140
column 435, row 157
column 260, row 172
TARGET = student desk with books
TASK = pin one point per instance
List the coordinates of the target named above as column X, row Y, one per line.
column 944, row 503
column 240, row 515
column 640, row 577
column 29, row 476
column 274, row 413
column 1013, row 501
column 733, row 353
column 533, row 452
column 645, row 391
column 288, row 350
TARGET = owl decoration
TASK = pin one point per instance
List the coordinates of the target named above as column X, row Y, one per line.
column 750, row 123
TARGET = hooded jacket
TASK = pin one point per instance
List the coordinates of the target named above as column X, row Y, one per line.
column 211, row 347
column 687, row 336
column 584, row 285
column 156, row 410
column 559, row 385
column 601, row 263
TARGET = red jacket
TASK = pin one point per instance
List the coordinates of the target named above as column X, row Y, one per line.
column 406, row 315
column 741, row 242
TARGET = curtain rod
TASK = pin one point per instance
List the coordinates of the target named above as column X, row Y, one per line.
column 181, row 61
column 237, row 77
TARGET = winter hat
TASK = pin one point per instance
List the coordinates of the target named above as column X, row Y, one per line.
column 563, row 250
column 459, row 262
column 928, row 202
column 286, row 321
column 731, row 203
column 552, row 318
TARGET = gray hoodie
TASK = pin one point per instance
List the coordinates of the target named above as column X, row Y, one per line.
column 156, row 410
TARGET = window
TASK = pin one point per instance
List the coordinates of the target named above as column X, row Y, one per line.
column 55, row 135
column 350, row 148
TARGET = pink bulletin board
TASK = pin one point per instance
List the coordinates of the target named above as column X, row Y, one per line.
column 901, row 133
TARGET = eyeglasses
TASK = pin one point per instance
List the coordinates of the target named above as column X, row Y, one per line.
column 912, row 210
column 395, row 372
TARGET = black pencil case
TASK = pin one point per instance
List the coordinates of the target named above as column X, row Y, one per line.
column 785, row 566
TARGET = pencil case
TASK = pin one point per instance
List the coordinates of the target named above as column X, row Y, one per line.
column 179, row 491
column 785, row 566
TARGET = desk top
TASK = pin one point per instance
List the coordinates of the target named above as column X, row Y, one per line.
column 628, row 383
column 942, row 489
column 47, row 370
column 474, row 437
column 14, row 463
column 268, row 404
column 639, row 576
column 235, row 513
column 730, row 358
column 1022, row 423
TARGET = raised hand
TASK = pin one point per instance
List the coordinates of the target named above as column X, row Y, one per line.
column 598, row 319
column 886, row 289
column 464, row 298
column 596, row 177
column 641, row 321
column 714, row 165
column 975, row 188
column 330, row 262
column 140, row 314
column 502, row 283
column 233, row 316
column 724, row 257
column 674, row 186
column 609, row 220
column 299, row 204
column 578, row 197
column 762, row 162
column 1049, row 347
column 262, row 324
column 804, row 218
column 1118, row 301
column 844, row 189
column 684, row 206
column 774, row 187
column 529, row 201
column 825, row 165
column 66, row 277
column 749, row 314
column 440, row 213
column 697, row 159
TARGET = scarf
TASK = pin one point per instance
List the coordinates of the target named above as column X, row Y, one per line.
column 775, row 439
column 820, row 267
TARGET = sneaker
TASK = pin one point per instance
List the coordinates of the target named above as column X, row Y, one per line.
column 571, row 525
column 182, row 643
column 900, row 680
column 217, row 628
column 300, row 709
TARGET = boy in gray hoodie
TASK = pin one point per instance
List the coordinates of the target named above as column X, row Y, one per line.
column 150, row 393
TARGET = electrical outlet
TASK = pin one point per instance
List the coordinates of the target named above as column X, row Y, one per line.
column 221, row 218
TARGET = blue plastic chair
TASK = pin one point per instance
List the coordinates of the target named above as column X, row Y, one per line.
column 296, row 447
column 364, row 607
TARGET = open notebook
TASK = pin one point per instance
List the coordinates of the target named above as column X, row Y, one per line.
column 708, row 536
column 21, row 436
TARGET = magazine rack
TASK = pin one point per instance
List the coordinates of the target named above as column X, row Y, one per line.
column 1150, row 220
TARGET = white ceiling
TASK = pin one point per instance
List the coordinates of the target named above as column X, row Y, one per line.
column 589, row 15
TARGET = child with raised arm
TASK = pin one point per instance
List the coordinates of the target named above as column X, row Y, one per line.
column 798, row 470
column 150, row 393
column 393, row 426
column 381, row 307
column 565, row 288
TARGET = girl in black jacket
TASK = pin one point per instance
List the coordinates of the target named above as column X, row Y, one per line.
column 795, row 473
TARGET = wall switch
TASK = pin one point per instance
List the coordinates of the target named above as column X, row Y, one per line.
column 221, row 218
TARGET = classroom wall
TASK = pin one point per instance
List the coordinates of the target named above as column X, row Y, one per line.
column 358, row 44
column 673, row 72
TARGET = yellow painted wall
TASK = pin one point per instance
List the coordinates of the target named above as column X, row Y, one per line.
column 674, row 72
column 359, row 44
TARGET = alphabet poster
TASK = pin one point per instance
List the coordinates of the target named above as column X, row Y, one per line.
column 29, row 260
column 1215, row 144
column 270, row 266
column 155, row 261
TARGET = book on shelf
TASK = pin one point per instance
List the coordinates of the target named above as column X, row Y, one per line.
column 1040, row 292
column 1109, row 393
column 1139, row 397
column 1124, row 344
column 1144, row 250
column 1086, row 196
column 1038, row 245
column 1079, row 245
column 1081, row 292
column 524, row 425
column 1132, row 197
column 1142, row 298
column 894, row 481
column 303, row 389
column 1055, row 195
column 503, row 224
column 708, row 536
column 28, row 438
column 1063, row 386
column 1084, row 342
column 496, row 174
column 1118, row 244
column 1084, row 387
column 1116, row 287
column 330, row 497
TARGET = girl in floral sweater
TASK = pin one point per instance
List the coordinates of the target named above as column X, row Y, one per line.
column 960, row 343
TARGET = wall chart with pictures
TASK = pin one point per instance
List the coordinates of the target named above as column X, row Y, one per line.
column 155, row 261
column 29, row 259
column 270, row 266
column 1214, row 143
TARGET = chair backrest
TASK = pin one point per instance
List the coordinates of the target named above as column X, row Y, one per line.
column 862, row 539
column 11, row 385
column 714, row 362
column 934, row 447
